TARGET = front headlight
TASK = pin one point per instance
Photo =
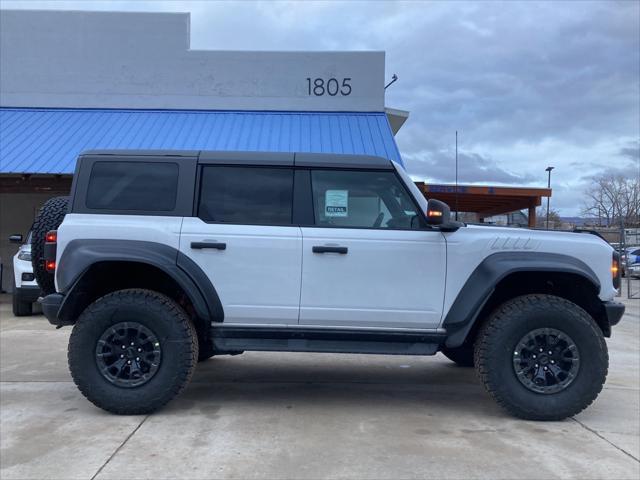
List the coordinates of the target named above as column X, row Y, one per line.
column 26, row 256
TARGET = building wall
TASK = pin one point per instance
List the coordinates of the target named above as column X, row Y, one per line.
column 143, row 60
column 17, row 212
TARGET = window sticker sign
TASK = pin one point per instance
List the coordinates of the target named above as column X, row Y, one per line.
column 336, row 203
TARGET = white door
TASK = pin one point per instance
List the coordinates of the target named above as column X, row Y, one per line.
column 242, row 239
column 369, row 261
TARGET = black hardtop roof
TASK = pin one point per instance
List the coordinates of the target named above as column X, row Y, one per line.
column 254, row 158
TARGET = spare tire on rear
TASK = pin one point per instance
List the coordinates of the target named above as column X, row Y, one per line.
column 49, row 217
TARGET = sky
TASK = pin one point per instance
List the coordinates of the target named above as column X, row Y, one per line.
column 526, row 84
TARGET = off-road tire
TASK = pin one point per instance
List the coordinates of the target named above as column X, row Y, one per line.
column 20, row 309
column 463, row 356
column 158, row 313
column 499, row 336
column 49, row 217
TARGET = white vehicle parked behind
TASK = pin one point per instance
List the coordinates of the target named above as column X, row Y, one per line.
column 25, row 287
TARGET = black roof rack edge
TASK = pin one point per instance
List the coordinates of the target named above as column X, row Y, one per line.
column 592, row 232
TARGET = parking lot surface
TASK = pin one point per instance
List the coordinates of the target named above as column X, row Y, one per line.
column 286, row 415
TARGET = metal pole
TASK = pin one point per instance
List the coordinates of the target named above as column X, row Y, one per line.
column 548, row 169
column 456, row 175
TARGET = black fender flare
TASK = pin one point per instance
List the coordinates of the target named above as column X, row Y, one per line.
column 79, row 255
column 482, row 282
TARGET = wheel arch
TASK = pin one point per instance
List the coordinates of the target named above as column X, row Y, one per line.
column 506, row 275
column 89, row 269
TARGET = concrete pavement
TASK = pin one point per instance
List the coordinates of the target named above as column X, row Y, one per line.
column 277, row 415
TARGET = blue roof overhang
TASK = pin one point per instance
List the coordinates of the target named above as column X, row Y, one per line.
column 48, row 141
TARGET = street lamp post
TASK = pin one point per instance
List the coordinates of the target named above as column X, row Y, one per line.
column 548, row 170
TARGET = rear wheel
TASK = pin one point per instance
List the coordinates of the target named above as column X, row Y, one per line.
column 541, row 357
column 132, row 351
column 49, row 217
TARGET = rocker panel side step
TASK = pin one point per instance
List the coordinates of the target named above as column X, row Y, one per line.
column 283, row 339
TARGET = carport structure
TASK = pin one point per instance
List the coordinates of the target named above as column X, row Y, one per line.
column 487, row 201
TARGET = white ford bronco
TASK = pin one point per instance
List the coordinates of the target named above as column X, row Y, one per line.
column 165, row 258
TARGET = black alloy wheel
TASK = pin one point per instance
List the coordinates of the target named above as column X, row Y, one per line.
column 546, row 360
column 128, row 354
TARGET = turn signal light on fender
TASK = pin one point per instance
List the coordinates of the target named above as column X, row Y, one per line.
column 50, row 265
column 615, row 270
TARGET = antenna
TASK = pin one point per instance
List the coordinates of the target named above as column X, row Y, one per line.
column 456, row 175
column 393, row 80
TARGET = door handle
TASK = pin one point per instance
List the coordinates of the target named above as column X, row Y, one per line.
column 215, row 245
column 328, row 249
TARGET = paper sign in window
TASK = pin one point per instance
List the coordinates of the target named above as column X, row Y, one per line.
column 336, row 203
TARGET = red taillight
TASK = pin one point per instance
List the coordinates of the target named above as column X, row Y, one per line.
column 50, row 245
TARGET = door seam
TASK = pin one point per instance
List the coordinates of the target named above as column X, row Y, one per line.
column 301, row 272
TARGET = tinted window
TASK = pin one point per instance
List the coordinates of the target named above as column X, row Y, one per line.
column 246, row 195
column 361, row 199
column 142, row 186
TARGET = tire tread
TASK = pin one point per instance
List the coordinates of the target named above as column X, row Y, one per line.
column 500, row 319
column 188, row 353
column 49, row 217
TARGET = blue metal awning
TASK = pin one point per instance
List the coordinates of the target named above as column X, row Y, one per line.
column 35, row 140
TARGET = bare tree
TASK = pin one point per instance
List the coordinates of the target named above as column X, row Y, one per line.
column 554, row 218
column 612, row 199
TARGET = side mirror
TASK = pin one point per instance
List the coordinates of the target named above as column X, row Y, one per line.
column 15, row 238
column 438, row 213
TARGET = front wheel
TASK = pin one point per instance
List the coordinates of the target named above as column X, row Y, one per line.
column 541, row 357
column 132, row 351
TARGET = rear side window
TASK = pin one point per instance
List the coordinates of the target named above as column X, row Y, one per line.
column 148, row 186
column 246, row 195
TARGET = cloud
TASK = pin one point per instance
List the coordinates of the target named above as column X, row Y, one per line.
column 632, row 152
column 439, row 166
